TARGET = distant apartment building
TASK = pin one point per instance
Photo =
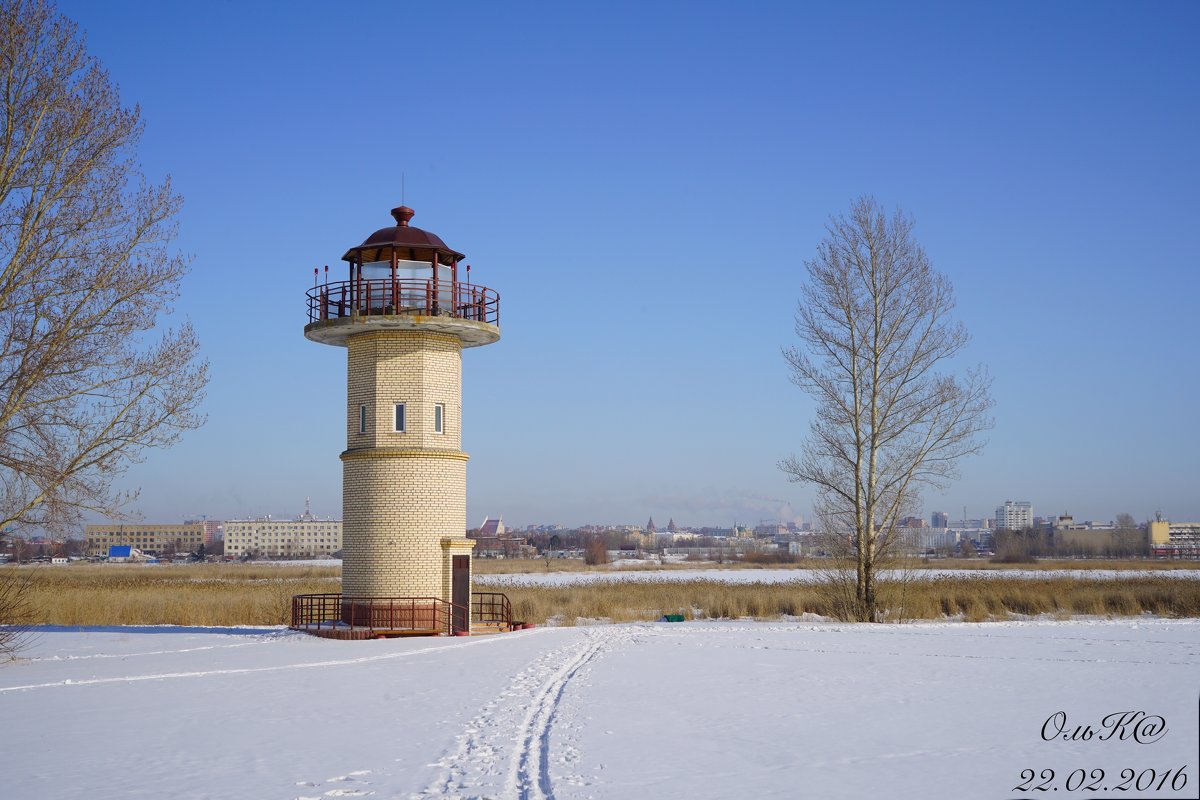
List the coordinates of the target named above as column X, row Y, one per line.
column 1015, row 515
column 307, row 537
column 939, row 519
column 212, row 529
column 1178, row 539
column 153, row 538
column 1083, row 541
column 1068, row 523
column 922, row 540
column 769, row 530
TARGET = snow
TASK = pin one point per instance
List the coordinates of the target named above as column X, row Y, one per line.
column 687, row 710
column 803, row 575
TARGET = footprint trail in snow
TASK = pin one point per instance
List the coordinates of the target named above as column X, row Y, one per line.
column 506, row 750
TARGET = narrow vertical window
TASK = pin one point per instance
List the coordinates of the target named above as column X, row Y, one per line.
column 362, row 419
column 399, row 428
column 439, row 415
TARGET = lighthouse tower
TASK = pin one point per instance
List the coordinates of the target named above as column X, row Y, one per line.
column 404, row 314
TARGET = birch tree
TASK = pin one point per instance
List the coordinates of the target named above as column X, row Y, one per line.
column 876, row 345
column 86, row 272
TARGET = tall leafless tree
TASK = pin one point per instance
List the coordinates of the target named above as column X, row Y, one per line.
column 876, row 334
column 86, row 271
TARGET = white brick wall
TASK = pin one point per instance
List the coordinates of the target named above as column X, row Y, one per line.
column 402, row 493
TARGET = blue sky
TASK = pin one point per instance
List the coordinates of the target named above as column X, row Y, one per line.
column 642, row 183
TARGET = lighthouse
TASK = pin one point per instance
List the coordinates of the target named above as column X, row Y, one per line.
column 404, row 313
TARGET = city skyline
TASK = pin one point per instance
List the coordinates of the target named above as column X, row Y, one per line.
column 645, row 219
column 963, row 520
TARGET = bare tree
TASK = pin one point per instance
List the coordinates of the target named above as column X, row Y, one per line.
column 86, row 270
column 595, row 551
column 20, row 549
column 875, row 327
column 1129, row 539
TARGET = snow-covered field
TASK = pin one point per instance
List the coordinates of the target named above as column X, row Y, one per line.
column 691, row 710
column 805, row 575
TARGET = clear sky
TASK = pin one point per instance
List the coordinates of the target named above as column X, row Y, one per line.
column 642, row 183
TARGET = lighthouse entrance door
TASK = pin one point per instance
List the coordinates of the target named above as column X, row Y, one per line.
column 461, row 592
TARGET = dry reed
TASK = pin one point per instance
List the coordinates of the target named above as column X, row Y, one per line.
column 201, row 594
column 971, row 598
column 248, row 594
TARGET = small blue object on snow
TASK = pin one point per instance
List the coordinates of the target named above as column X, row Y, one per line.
column 672, row 618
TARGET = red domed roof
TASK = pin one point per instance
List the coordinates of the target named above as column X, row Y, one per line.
column 404, row 236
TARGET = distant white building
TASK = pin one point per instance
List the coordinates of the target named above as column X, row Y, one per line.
column 1015, row 515
column 925, row 539
column 283, row 538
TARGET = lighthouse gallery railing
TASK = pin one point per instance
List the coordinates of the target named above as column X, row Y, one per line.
column 342, row 299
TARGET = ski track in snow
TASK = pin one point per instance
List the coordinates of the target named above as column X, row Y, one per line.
column 261, row 641
column 247, row 670
column 474, row 769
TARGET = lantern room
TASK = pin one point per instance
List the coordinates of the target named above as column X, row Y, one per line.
column 403, row 277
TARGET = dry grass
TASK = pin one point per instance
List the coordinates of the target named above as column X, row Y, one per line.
column 199, row 594
column 1051, row 564
column 248, row 594
column 628, row 602
column 980, row 597
column 973, row 598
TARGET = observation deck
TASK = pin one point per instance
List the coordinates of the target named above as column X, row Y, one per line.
column 341, row 309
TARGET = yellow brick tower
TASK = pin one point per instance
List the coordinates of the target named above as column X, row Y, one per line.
column 404, row 316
